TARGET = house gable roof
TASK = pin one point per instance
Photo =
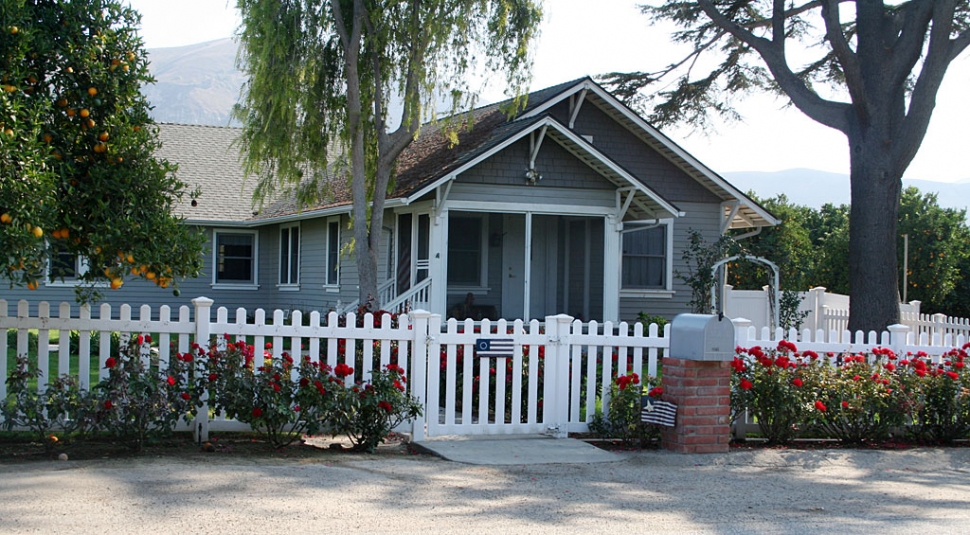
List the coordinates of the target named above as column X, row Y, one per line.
column 207, row 158
column 208, row 161
column 647, row 202
column 748, row 213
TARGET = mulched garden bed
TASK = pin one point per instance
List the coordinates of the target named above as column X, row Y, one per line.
column 19, row 448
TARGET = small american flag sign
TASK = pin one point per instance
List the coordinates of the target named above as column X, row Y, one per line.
column 658, row 412
column 494, row 347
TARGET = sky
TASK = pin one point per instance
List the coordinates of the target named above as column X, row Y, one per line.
column 591, row 37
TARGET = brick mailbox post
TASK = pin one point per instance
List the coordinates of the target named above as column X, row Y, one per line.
column 697, row 378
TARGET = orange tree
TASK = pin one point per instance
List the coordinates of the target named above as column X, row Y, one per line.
column 78, row 177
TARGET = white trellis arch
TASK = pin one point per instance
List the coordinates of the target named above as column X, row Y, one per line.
column 758, row 259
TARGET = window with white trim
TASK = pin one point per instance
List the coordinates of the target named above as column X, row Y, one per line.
column 645, row 258
column 65, row 267
column 235, row 258
column 290, row 255
column 333, row 252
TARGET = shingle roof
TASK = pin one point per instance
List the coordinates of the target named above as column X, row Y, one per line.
column 207, row 159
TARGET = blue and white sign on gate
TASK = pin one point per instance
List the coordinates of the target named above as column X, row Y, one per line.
column 494, row 347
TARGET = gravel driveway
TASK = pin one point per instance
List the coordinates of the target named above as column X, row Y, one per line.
column 751, row 491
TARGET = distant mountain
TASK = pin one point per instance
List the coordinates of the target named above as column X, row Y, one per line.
column 195, row 84
column 814, row 188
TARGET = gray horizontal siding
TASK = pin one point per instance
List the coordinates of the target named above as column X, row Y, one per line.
column 701, row 217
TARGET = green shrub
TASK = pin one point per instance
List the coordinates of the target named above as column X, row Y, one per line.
column 366, row 413
column 622, row 421
column 940, row 400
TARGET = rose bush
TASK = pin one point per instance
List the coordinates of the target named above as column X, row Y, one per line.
column 623, row 419
column 775, row 386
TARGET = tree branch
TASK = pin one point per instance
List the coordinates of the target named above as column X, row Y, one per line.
column 908, row 47
column 831, row 114
column 939, row 54
column 843, row 52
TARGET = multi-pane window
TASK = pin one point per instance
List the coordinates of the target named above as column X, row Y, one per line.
column 235, row 258
column 465, row 250
column 645, row 258
column 290, row 255
column 333, row 253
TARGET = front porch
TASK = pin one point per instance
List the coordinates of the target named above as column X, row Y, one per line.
column 512, row 265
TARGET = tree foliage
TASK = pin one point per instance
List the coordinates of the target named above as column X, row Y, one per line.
column 811, row 247
column 79, row 177
column 874, row 76
column 321, row 76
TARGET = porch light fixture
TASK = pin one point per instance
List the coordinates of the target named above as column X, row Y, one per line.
column 533, row 176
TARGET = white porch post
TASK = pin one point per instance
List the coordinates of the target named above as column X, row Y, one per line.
column 611, row 268
column 438, row 271
column 527, row 275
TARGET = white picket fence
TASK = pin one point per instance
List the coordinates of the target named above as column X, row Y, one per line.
column 558, row 392
column 828, row 311
column 558, row 376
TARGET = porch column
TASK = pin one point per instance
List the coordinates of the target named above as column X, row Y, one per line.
column 527, row 271
column 438, row 271
column 611, row 268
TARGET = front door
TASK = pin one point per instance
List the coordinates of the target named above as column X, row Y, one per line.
column 513, row 266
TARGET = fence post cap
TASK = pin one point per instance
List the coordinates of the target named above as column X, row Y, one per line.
column 898, row 328
column 202, row 302
column 420, row 313
column 560, row 318
column 741, row 322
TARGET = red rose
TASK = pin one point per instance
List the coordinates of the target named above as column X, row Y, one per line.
column 296, row 408
column 304, row 382
column 845, row 404
column 797, row 382
column 953, row 375
column 186, row 396
column 170, row 381
column 108, row 405
column 257, row 412
column 213, row 377
column 746, row 384
column 110, row 363
column 820, row 406
column 276, row 387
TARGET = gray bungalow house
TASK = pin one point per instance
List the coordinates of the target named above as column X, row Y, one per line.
column 577, row 205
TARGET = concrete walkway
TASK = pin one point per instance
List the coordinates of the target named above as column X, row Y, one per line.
column 518, row 449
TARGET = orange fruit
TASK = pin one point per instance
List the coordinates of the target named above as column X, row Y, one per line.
column 92, row 91
column 38, row 232
column 103, row 136
column 116, row 283
column 48, row 138
column 62, row 102
column 85, row 112
column 134, row 271
column 130, row 259
column 91, row 123
column 14, row 30
column 32, row 285
column 9, row 88
column 71, row 112
column 9, row 132
column 65, row 233
column 5, row 218
column 131, row 56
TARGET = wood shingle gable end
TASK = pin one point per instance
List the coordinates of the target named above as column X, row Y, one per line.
column 585, row 91
column 646, row 203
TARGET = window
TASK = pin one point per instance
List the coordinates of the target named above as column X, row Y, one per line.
column 465, row 251
column 235, row 258
column 333, row 252
column 290, row 255
column 645, row 258
column 65, row 268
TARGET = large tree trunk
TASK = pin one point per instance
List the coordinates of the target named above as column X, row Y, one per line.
column 873, row 265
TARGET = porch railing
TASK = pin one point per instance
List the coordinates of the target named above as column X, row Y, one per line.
column 419, row 296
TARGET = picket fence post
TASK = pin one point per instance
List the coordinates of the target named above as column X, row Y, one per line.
column 203, row 306
column 897, row 338
column 419, row 370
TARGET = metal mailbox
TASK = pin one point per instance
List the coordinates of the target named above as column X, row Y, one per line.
column 701, row 337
